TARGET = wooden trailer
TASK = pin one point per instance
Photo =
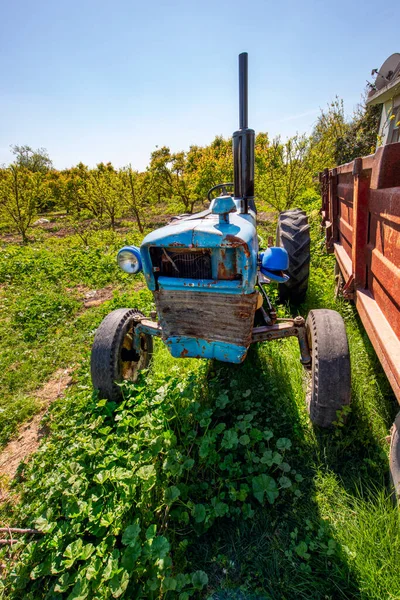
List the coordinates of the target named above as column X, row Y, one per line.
column 361, row 215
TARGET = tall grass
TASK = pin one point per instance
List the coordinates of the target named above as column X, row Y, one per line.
column 339, row 537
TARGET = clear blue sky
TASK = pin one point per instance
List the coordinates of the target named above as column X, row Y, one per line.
column 99, row 80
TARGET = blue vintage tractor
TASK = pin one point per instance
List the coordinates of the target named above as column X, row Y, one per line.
column 209, row 281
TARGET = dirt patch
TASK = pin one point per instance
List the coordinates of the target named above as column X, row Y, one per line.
column 97, row 297
column 30, row 434
column 91, row 298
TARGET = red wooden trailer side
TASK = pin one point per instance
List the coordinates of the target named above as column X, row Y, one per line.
column 361, row 214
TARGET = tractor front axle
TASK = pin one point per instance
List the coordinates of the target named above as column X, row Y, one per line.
column 284, row 329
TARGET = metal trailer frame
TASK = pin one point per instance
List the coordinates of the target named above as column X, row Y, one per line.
column 361, row 216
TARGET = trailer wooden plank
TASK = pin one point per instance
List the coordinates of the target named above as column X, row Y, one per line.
column 384, row 284
column 360, row 222
column 382, row 336
column 344, row 261
column 364, row 210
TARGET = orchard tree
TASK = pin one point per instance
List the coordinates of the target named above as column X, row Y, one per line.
column 105, row 193
column 170, row 176
column 361, row 135
column 335, row 140
column 20, row 193
column 75, row 182
column 159, row 167
column 208, row 166
column 285, row 169
column 136, row 189
column 331, row 126
column 37, row 161
column 187, row 176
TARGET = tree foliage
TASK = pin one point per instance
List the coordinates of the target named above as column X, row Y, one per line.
column 33, row 160
column 21, row 191
column 284, row 168
column 179, row 181
column 337, row 141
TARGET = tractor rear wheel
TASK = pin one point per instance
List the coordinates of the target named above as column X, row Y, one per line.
column 330, row 385
column 114, row 358
column 293, row 234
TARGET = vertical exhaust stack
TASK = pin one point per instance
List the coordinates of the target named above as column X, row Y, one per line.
column 243, row 144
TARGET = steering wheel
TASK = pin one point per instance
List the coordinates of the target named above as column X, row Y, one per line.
column 220, row 186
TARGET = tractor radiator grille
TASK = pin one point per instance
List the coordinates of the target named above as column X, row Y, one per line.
column 189, row 264
column 210, row 316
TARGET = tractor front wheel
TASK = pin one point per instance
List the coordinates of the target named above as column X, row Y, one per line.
column 330, row 385
column 114, row 358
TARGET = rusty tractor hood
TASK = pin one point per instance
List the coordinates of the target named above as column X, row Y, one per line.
column 207, row 231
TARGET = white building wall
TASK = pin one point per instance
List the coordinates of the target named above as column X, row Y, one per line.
column 386, row 124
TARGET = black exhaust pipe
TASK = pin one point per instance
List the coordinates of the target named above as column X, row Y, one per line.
column 243, row 144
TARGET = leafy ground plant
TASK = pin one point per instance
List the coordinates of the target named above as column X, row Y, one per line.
column 169, row 494
column 43, row 323
column 120, row 505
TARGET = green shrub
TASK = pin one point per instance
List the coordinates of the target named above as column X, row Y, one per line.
column 122, row 490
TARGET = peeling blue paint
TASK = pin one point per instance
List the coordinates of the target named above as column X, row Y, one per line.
column 234, row 259
column 200, row 285
column 240, row 233
column 186, row 347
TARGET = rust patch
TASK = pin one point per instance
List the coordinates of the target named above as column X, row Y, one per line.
column 242, row 315
column 246, row 251
column 223, row 272
column 206, row 315
column 234, row 241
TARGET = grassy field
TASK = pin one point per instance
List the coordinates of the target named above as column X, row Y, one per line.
column 208, row 481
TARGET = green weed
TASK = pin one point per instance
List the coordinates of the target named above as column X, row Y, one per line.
column 235, row 493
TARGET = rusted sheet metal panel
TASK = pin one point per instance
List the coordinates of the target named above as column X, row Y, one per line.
column 383, row 252
column 386, row 203
column 324, row 181
column 344, row 261
column 214, row 317
column 346, row 231
column 386, row 170
column 345, row 193
column 344, row 200
column 368, row 162
column 382, row 336
column 368, row 247
column 384, row 283
column 333, row 207
column 362, row 180
column 384, row 227
column 347, row 168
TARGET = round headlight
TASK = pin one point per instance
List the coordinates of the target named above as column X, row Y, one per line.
column 129, row 260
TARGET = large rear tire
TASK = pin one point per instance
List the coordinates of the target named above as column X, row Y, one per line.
column 293, row 234
column 113, row 358
column 330, row 385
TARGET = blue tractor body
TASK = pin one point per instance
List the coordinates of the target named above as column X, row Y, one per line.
column 205, row 271
column 202, row 270
column 208, row 282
